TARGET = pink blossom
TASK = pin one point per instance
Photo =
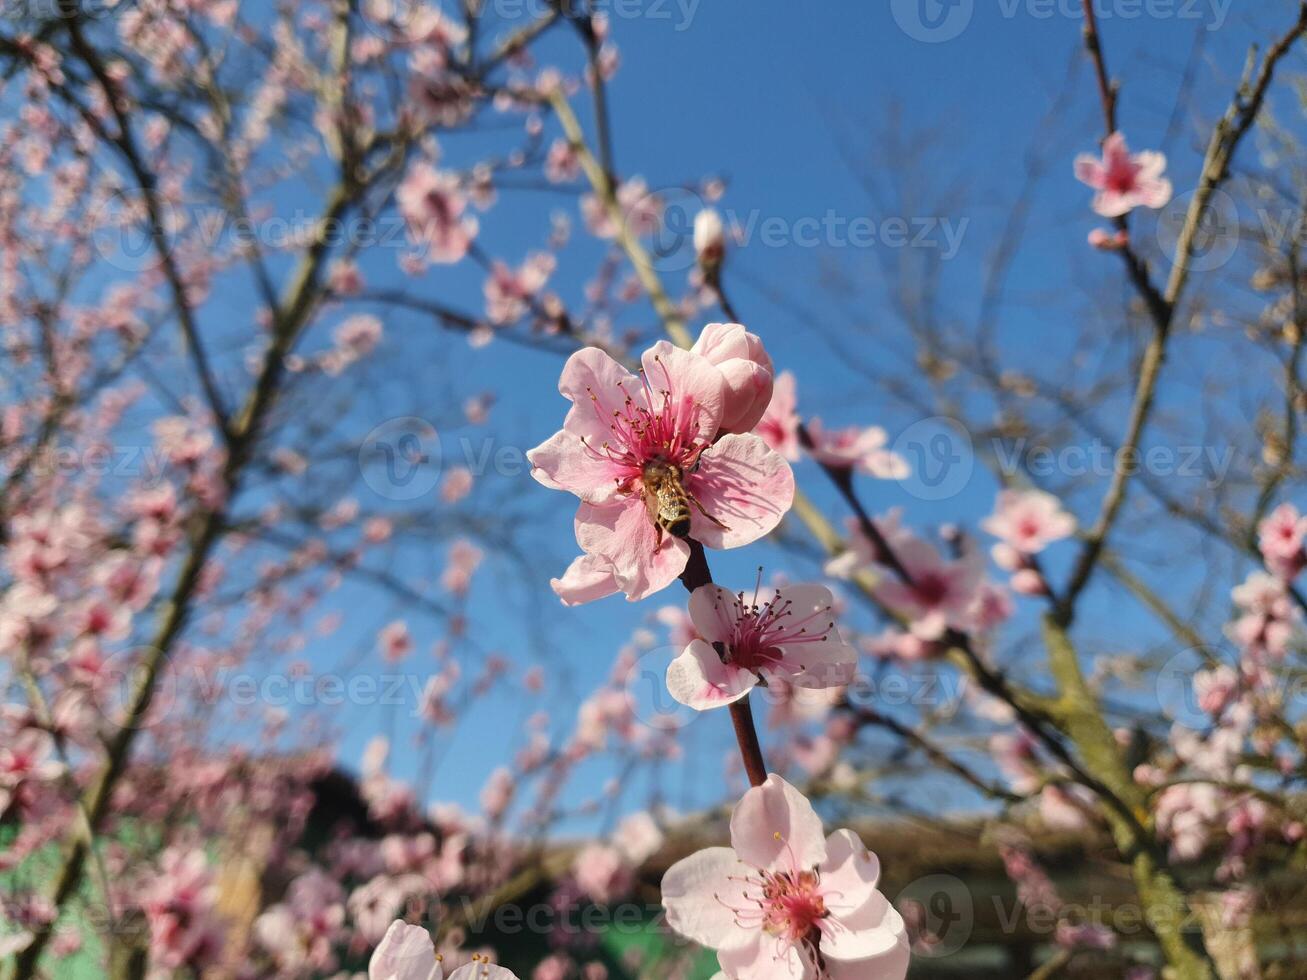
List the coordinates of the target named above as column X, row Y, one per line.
column 1105, row 241
column 179, row 904
column 358, row 336
column 638, row 838
column 790, row 634
column 746, row 368
column 602, row 873
column 432, row 204
column 617, row 427
column 509, row 292
column 497, row 793
column 1268, row 617
column 395, row 641
column 1124, row 181
column 1028, row 521
column 26, row 761
column 1087, row 935
column 555, row 967
column 1215, row 689
column 784, row 901
column 896, row 644
column 182, row 439
column 456, row 485
column 857, row 448
column 464, row 559
column 561, row 163
column 1066, row 808
column 779, row 425
column 641, row 211
column 942, row 594
column 344, row 278
column 302, row 931
column 1185, row 814
column 1280, row 540
column 407, row 953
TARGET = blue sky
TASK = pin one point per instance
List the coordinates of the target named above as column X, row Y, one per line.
column 780, row 99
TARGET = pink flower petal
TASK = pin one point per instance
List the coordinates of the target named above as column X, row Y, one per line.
column 699, row 679
column 693, row 381
column 775, row 827
column 697, row 891
column 1089, row 170
column 850, row 874
column 588, row 578
column 622, row 534
column 598, row 388
column 709, row 611
column 481, row 971
column 765, row 957
column 743, row 484
column 405, row 953
column 562, row 463
column 872, row 941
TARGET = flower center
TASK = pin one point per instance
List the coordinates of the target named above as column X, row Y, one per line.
column 760, row 631
column 1121, row 176
column 930, row 589
column 792, row 904
column 656, row 428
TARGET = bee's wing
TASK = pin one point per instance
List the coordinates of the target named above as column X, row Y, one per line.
column 651, row 503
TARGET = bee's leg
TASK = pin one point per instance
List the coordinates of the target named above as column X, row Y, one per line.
column 658, row 537
column 699, row 507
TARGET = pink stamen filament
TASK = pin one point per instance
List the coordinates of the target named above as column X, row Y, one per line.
column 663, row 428
column 759, row 631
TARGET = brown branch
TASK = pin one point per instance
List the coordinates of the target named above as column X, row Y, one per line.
column 696, row 575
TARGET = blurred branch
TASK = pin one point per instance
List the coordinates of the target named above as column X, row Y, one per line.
column 1229, row 132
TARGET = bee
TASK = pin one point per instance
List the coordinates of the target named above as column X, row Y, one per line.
column 668, row 501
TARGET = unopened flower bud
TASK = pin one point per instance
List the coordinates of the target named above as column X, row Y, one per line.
column 709, row 239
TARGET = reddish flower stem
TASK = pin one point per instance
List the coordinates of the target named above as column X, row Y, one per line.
column 696, row 574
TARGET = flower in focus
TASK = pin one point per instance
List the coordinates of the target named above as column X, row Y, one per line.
column 790, row 634
column 623, row 439
column 746, row 368
column 785, row 901
column 407, row 953
column 432, row 204
column 857, row 448
column 1124, row 181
